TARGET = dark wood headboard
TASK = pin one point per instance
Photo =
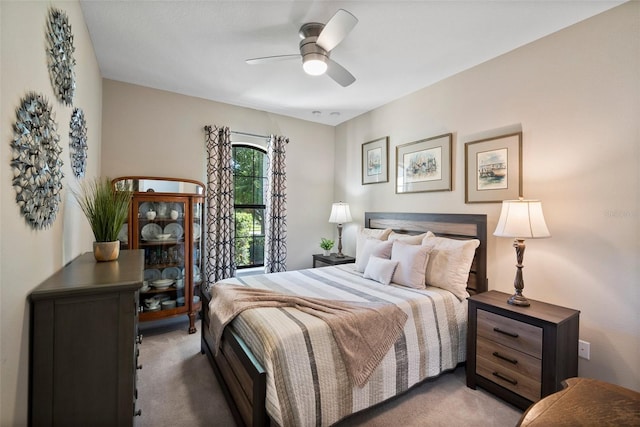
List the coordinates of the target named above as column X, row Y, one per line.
column 454, row 226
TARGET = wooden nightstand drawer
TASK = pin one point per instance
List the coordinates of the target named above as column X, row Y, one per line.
column 510, row 359
column 511, row 333
column 511, row 380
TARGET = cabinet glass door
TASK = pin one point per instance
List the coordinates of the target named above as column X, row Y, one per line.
column 166, row 220
column 197, row 250
column 161, row 233
column 123, row 236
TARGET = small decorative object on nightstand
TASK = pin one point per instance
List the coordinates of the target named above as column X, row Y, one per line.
column 326, row 245
column 332, row 259
column 520, row 354
column 521, row 219
column 340, row 214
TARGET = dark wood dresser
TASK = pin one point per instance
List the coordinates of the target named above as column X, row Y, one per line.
column 83, row 343
column 520, row 354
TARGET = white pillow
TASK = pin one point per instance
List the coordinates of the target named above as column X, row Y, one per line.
column 408, row 238
column 449, row 263
column 369, row 233
column 380, row 269
column 412, row 264
column 373, row 247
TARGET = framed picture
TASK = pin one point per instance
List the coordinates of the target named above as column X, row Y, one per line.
column 375, row 161
column 424, row 165
column 493, row 169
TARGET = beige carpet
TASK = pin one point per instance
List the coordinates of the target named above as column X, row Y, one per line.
column 176, row 387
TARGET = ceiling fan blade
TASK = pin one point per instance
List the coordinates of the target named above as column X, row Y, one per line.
column 340, row 74
column 267, row 59
column 336, row 29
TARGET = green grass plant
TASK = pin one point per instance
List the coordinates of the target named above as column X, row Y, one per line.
column 105, row 208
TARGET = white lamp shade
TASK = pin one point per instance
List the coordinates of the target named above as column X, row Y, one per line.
column 340, row 213
column 522, row 219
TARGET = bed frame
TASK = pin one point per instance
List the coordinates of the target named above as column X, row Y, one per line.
column 242, row 378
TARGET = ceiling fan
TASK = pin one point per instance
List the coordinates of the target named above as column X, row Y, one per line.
column 318, row 40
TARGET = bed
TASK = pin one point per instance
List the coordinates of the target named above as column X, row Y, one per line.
column 266, row 387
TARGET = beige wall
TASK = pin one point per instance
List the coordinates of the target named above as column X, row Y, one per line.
column 27, row 257
column 156, row 133
column 576, row 97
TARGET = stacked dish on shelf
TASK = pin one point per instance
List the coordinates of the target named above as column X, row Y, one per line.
column 153, row 232
column 160, row 302
column 162, row 283
column 150, row 231
column 175, row 230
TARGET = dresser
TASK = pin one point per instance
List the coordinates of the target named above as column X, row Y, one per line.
column 520, row 354
column 83, row 343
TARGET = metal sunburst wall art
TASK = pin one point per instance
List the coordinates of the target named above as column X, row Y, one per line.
column 36, row 164
column 60, row 56
column 78, row 142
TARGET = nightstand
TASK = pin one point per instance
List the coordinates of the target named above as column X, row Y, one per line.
column 520, row 354
column 332, row 259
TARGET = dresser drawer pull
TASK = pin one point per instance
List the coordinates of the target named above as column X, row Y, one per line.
column 505, row 358
column 505, row 378
column 510, row 334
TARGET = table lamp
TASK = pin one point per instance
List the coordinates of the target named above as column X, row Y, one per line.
column 521, row 219
column 340, row 214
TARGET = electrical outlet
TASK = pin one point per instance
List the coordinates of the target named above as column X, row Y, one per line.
column 584, row 349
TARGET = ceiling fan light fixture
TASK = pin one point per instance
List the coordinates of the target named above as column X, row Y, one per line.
column 314, row 64
column 318, row 40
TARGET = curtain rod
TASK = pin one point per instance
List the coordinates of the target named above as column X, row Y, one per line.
column 250, row 134
column 237, row 132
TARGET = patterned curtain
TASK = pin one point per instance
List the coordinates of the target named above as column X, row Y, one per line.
column 275, row 259
column 220, row 223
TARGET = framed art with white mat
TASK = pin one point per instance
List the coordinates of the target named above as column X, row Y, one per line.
column 493, row 169
column 424, row 165
column 375, row 161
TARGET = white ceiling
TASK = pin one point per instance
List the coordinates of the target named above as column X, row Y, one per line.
column 199, row 48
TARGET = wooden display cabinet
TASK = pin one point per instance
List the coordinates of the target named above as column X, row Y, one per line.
column 166, row 221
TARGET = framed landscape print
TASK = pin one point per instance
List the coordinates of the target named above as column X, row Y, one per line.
column 493, row 169
column 375, row 161
column 424, row 165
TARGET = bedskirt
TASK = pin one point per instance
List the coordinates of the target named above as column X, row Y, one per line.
column 307, row 383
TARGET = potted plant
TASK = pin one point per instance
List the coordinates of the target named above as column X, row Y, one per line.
column 106, row 210
column 326, row 245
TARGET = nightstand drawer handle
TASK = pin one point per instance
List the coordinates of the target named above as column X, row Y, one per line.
column 510, row 334
column 505, row 358
column 507, row 379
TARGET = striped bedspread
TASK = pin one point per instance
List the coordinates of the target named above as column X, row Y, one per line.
column 307, row 384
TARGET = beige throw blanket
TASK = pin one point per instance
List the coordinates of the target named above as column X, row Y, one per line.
column 364, row 332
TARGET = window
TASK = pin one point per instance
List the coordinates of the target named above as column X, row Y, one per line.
column 250, row 183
